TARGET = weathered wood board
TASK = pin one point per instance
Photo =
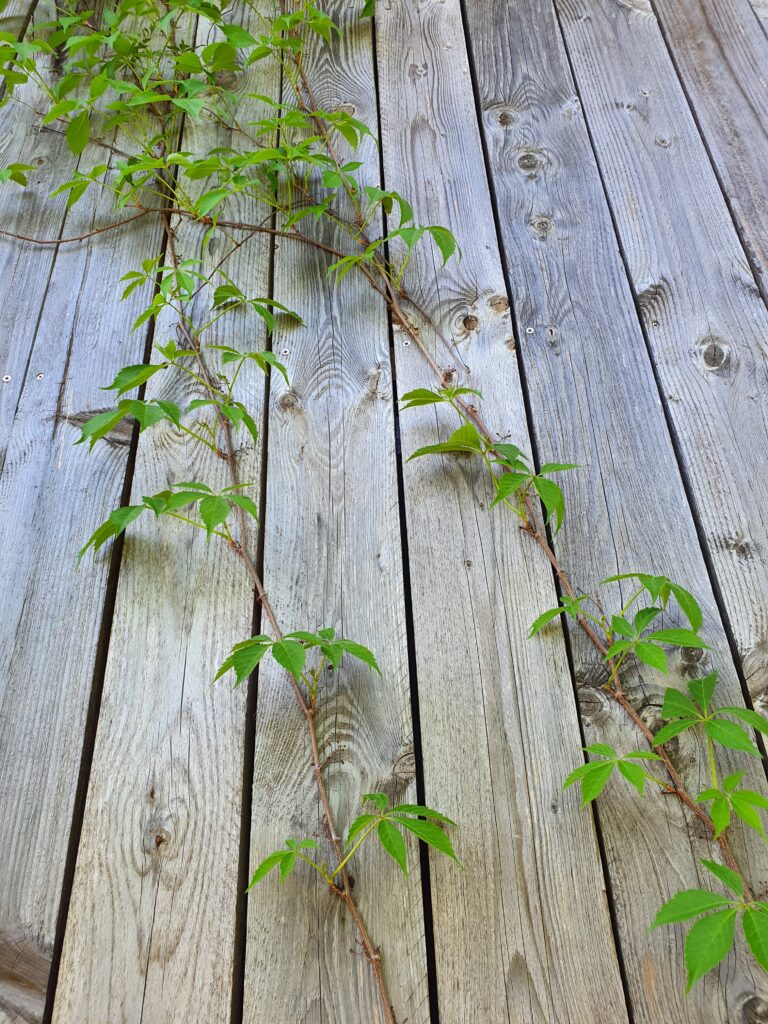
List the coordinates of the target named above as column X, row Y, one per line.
column 721, row 55
column 58, row 349
column 332, row 558
column 703, row 316
column 533, row 882
column 593, row 401
column 635, row 345
column 156, row 883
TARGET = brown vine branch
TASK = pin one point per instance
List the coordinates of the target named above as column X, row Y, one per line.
column 307, row 707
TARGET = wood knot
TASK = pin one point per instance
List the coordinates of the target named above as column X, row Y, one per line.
column 506, row 118
column 404, row 768
column 662, row 141
column 531, row 162
column 542, row 226
column 288, row 401
column 156, row 839
column 499, row 304
column 715, row 354
column 416, row 71
column 469, row 323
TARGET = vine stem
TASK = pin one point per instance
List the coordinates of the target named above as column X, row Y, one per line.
column 308, row 708
column 532, row 526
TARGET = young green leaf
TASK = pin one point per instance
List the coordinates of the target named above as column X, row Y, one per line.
column 394, row 844
column 685, row 905
column 431, row 834
column 726, row 875
column 707, row 943
column 291, row 656
column 755, row 925
column 213, row 511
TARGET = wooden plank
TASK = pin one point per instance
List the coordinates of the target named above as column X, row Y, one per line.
column 509, row 930
column 722, row 59
column 594, row 401
column 151, row 928
column 25, row 269
column 332, row 558
column 53, row 344
column 704, row 318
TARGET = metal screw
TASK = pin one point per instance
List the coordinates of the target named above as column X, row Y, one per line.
column 406, row 344
column 284, row 352
column 6, row 377
column 529, row 330
column 39, row 376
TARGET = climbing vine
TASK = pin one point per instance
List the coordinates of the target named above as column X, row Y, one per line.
column 125, row 80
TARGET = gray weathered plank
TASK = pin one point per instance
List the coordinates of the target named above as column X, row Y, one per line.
column 704, row 318
column 55, row 353
column 594, row 401
column 25, row 270
column 509, row 930
column 151, row 927
column 722, row 59
column 332, row 558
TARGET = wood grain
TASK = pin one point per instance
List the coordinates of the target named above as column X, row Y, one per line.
column 703, row 315
column 332, row 558
column 58, row 347
column 721, row 56
column 593, row 401
column 508, row 929
column 151, row 926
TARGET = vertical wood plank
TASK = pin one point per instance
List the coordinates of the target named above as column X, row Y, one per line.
column 332, row 558
column 151, row 927
column 703, row 315
column 509, row 929
column 594, row 401
column 721, row 56
column 58, row 347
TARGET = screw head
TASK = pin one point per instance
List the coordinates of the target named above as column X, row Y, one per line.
column 529, row 330
column 6, row 377
column 39, row 376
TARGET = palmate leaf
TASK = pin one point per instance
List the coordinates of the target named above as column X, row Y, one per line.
column 243, row 659
column 755, row 925
column 392, row 841
column 707, row 943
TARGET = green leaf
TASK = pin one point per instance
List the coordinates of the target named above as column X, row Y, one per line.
column 726, row 876
column 245, row 503
column 702, row 689
column 133, row 377
column 538, row 624
column 465, row 439
column 243, row 659
column 730, row 735
column 593, row 777
column 707, row 943
column 379, row 800
column 743, row 808
column 360, row 652
column 678, row 705
column 444, row 240
column 213, row 511
column 393, row 842
column 603, row 749
column 99, row 426
column 753, row 718
column 720, row 813
column 685, row 905
column 210, row 199
column 508, row 484
column 633, row 774
column 287, row 864
column 679, row 637
column 652, row 655
column 78, row 131
column 688, row 605
column 431, row 834
column 265, row 867
column 755, row 925
column 421, row 396
column 423, row 812
column 359, row 825
column 553, row 499
column 668, row 732
column 291, row 656
column 369, row 9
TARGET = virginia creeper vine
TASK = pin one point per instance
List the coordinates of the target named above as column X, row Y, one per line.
column 136, row 70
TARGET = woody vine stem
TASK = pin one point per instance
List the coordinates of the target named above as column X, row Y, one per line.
column 130, row 76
